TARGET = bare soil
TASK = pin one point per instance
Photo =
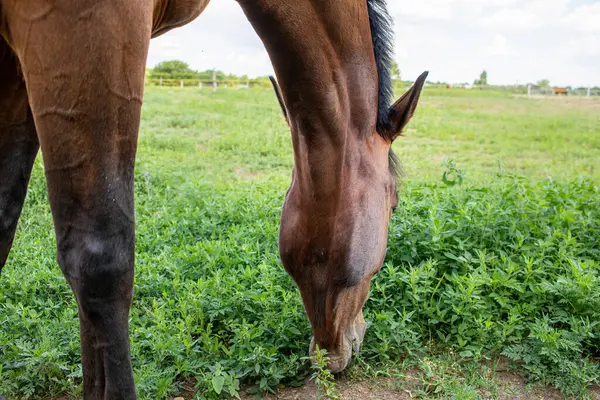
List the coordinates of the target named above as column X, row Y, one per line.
column 512, row 387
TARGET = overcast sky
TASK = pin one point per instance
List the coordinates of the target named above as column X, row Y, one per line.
column 514, row 40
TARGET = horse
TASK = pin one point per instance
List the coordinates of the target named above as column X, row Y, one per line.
column 72, row 82
column 558, row 91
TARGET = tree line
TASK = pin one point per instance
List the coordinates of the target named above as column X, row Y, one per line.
column 176, row 69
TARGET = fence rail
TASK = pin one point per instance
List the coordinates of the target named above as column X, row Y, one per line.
column 219, row 83
column 207, row 83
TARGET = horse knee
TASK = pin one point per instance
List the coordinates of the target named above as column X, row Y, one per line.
column 98, row 266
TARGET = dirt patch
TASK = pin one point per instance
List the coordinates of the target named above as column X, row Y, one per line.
column 348, row 390
column 514, row 387
column 242, row 173
column 200, row 147
column 511, row 387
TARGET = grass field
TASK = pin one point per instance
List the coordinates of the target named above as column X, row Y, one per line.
column 504, row 266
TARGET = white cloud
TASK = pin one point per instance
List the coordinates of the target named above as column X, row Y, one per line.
column 512, row 18
column 445, row 9
column 584, row 46
column 585, row 18
column 526, row 15
column 498, row 47
column 430, row 9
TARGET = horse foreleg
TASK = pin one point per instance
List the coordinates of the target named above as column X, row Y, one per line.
column 18, row 147
column 84, row 64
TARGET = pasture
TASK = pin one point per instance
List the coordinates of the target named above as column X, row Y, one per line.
column 503, row 267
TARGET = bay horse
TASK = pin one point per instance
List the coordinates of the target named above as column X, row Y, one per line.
column 71, row 82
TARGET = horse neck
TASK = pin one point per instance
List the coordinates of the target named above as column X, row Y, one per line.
column 323, row 56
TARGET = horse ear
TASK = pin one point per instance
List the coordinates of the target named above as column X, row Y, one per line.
column 279, row 97
column 402, row 110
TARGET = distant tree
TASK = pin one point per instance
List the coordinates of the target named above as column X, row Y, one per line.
column 395, row 70
column 220, row 75
column 543, row 83
column 482, row 79
column 173, row 67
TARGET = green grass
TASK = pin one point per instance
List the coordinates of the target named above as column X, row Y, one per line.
column 505, row 264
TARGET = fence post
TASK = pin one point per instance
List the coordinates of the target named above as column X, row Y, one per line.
column 160, row 84
column 182, row 83
column 214, row 80
column 528, row 90
column 589, row 91
column 200, row 85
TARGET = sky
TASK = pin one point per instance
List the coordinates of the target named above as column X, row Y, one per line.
column 515, row 41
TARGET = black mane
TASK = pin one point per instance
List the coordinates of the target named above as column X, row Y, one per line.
column 382, row 34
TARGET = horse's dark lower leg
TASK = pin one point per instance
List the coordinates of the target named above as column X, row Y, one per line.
column 84, row 64
column 97, row 258
column 18, row 147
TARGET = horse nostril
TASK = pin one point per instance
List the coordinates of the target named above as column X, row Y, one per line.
column 356, row 346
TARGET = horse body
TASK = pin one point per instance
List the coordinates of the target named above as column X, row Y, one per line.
column 79, row 97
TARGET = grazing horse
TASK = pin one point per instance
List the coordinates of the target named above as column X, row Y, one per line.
column 71, row 82
column 560, row 91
